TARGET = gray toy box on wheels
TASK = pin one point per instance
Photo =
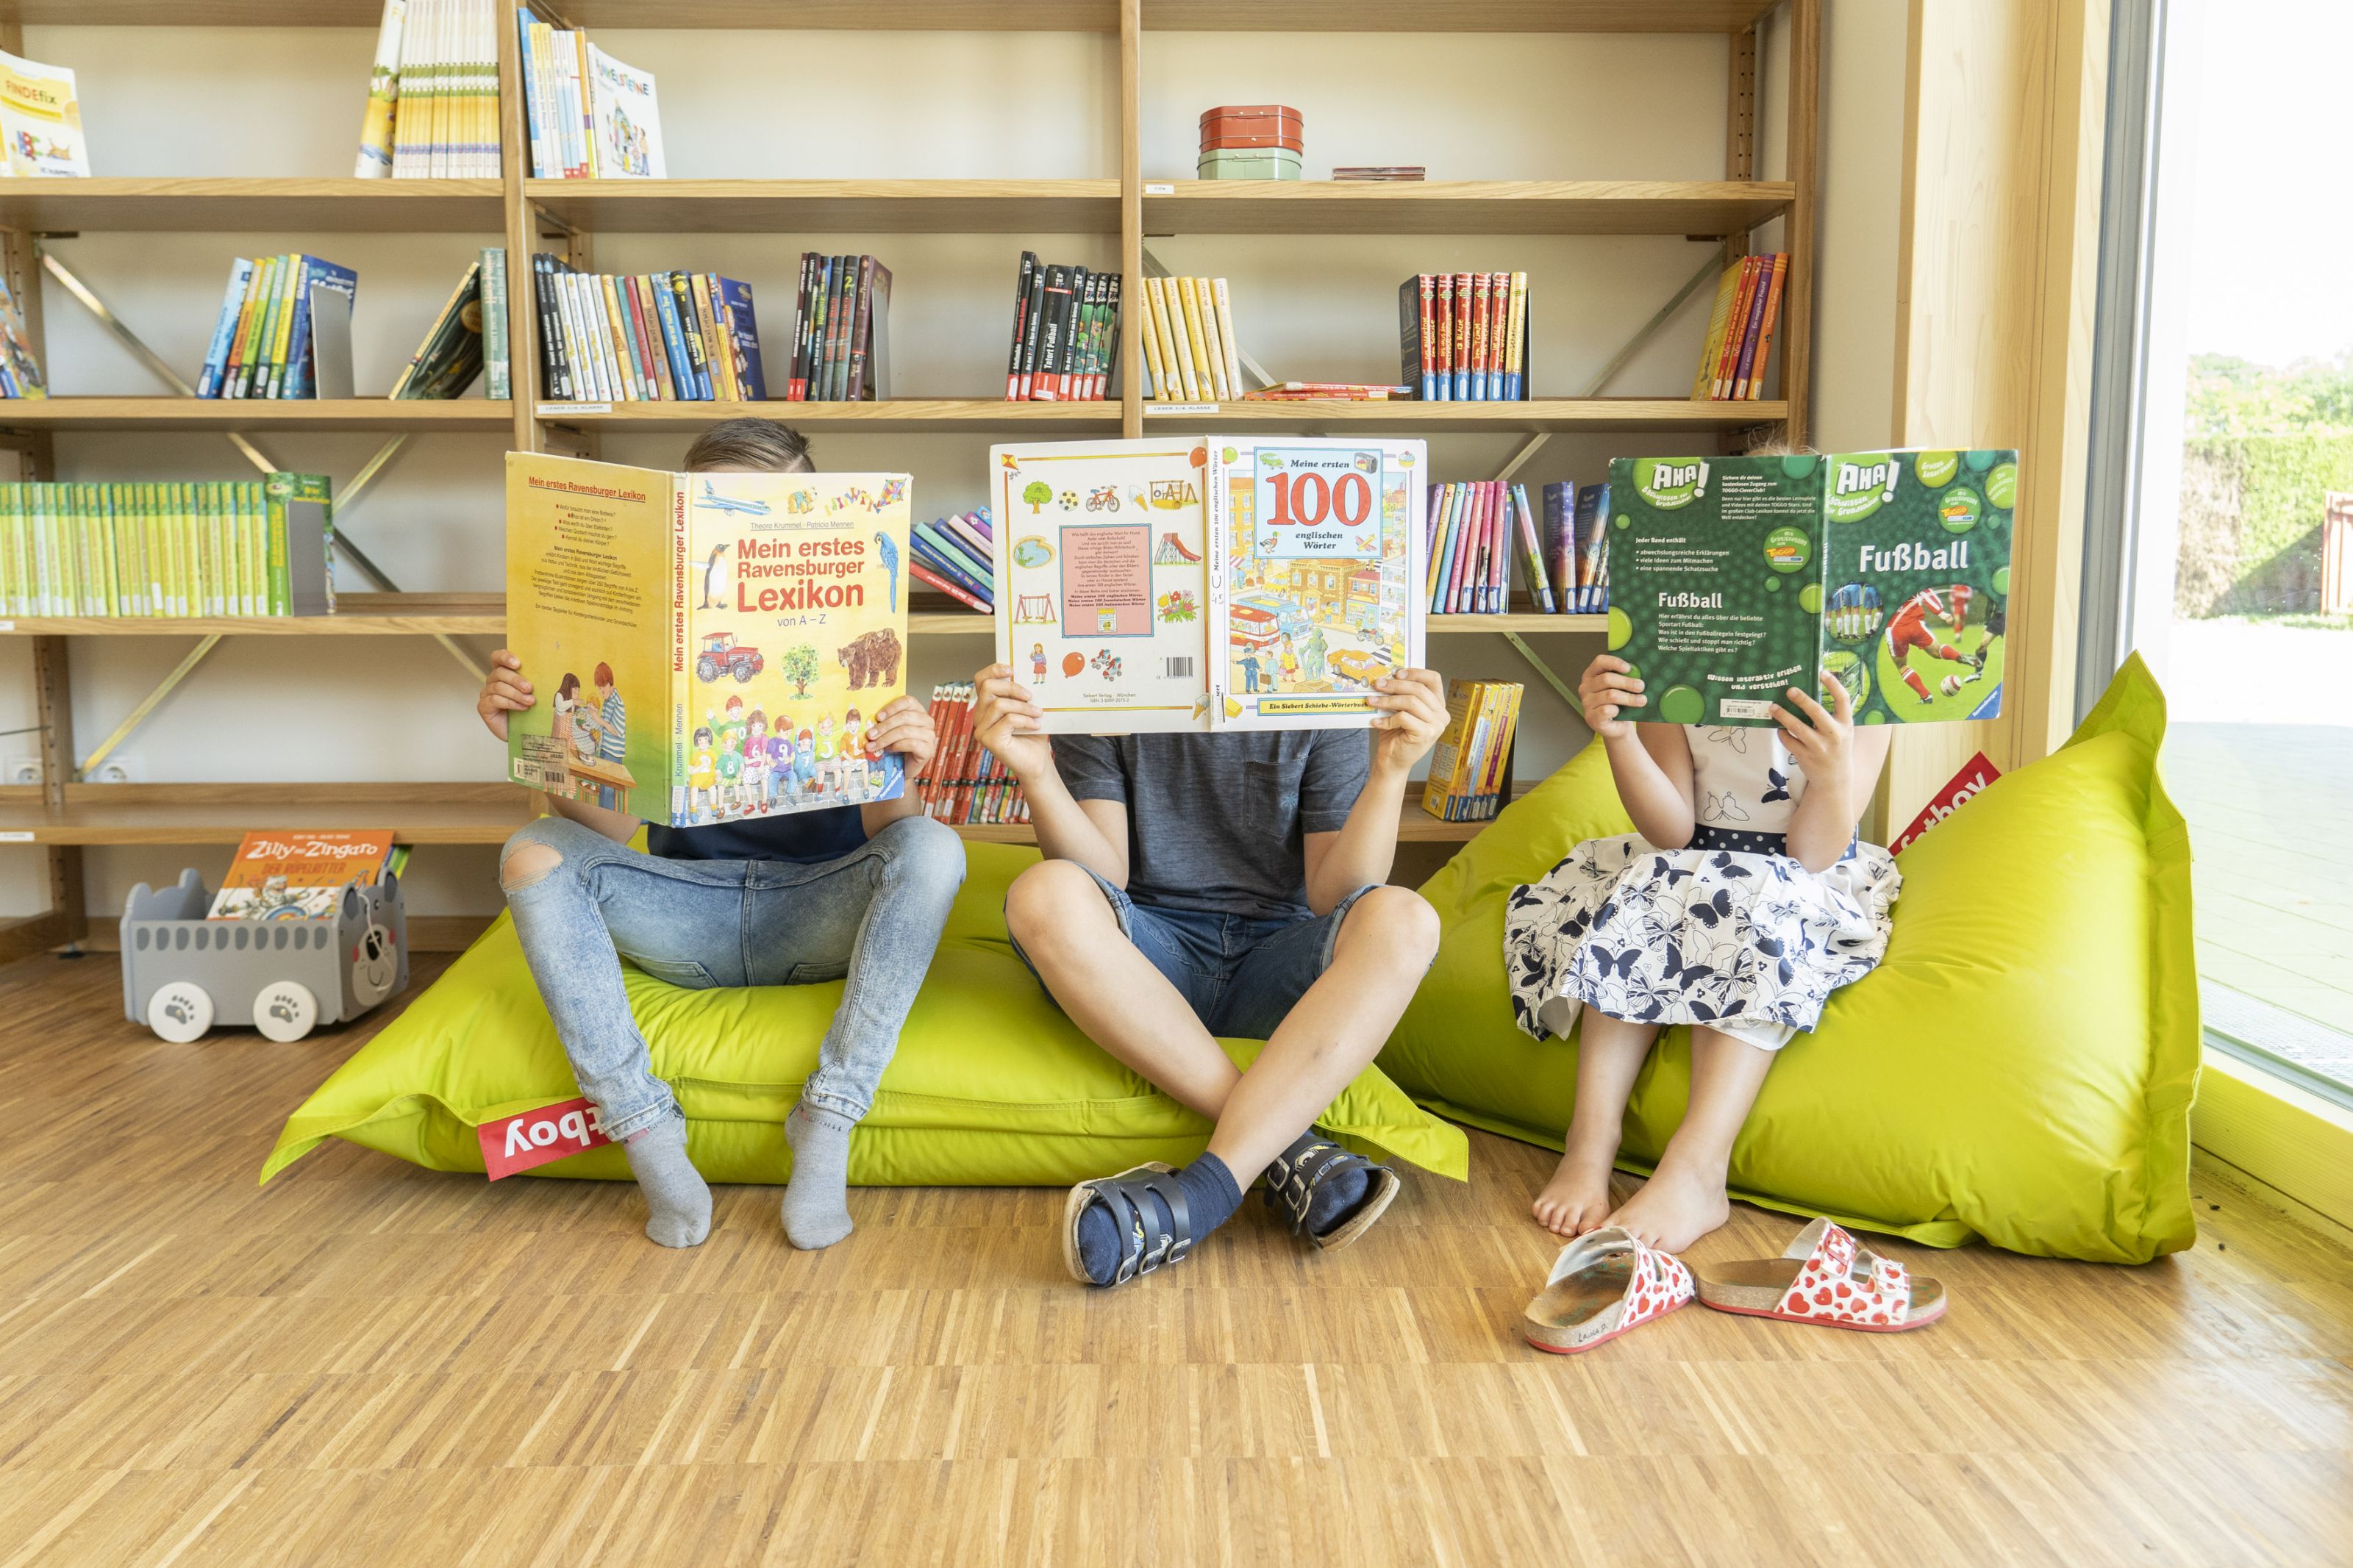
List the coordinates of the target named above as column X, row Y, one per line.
column 181, row 973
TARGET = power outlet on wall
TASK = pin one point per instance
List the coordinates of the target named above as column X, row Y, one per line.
column 24, row 771
column 112, row 773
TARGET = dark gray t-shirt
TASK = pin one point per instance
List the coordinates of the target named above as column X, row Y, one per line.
column 1215, row 822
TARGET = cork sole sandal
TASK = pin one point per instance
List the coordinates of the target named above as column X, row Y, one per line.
column 1825, row 1277
column 1291, row 1192
column 1144, row 1246
column 1602, row 1284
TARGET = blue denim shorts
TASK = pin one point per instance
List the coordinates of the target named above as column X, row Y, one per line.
column 1241, row 975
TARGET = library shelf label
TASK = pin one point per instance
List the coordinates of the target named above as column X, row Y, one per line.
column 558, row 410
column 1158, row 408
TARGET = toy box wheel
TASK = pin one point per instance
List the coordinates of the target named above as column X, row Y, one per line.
column 180, row 1011
column 285, row 1010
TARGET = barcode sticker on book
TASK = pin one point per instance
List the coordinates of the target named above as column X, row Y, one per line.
column 1178, row 669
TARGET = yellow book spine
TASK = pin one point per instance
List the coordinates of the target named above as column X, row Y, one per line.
column 1172, row 297
column 1156, row 313
column 1149, row 335
column 1703, row 380
column 1211, row 347
column 1225, row 335
column 1196, row 344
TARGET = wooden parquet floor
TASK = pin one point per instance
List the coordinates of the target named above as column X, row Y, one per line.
column 371, row 1365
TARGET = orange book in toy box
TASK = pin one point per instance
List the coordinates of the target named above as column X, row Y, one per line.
column 298, row 876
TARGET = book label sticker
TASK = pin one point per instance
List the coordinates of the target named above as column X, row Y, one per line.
column 529, row 1138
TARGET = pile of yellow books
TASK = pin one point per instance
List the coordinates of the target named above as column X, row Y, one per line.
column 1470, row 768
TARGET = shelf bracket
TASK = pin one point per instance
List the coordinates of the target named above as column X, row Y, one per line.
column 344, row 546
column 1560, row 688
column 147, row 705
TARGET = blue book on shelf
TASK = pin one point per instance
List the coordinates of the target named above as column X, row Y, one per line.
column 941, row 545
column 745, row 326
column 299, row 382
column 953, row 568
column 673, row 341
column 208, row 380
column 1593, row 541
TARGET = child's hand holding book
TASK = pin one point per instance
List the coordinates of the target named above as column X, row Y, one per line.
column 904, row 726
column 504, row 692
column 1006, row 716
column 1609, row 686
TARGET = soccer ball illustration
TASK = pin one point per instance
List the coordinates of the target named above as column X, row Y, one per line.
column 1950, row 686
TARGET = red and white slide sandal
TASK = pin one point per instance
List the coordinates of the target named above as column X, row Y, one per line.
column 1825, row 1277
column 1602, row 1284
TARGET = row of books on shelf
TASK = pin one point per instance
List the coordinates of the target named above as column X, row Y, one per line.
column 589, row 116
column 282, row 319
column 433, row 93
column 249, row 547
column 646, row 338
column 1475, row 525
column 954, row 556
column 1463, row 337
column 965, row 783
column 1740, row 329
column 1190, row 352
column 1065, row 334
column 1470, row 766
column 842, row 331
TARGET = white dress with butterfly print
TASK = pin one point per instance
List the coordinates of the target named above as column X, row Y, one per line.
column 1729, row 931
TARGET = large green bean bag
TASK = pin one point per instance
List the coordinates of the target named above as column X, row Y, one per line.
column 2019, row 1068
column 992, row 1085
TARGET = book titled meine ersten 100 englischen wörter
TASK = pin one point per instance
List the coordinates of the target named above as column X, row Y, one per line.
column 1732, row 579
column 1191, row 583
column 704, row 648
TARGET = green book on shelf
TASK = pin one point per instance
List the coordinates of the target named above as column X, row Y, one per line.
column 1733, row 579
column 301, row 544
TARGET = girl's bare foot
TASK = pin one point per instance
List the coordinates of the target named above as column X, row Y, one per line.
column 1675, row 1209
column 1578, row 1197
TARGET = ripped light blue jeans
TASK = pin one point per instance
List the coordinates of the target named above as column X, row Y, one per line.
column 873, row 916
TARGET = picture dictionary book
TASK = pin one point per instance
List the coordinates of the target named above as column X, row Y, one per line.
column 704, row 648
column 1179, row 584
column 1732, row 579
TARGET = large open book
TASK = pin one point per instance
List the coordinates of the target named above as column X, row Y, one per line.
column 704, row 648
column 1184, row 582
column 1732, row 579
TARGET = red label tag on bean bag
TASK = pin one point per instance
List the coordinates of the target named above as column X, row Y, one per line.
column 531, row 1138
column 1958, row 790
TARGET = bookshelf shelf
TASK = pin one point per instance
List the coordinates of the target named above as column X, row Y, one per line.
column 962, row 16
column 1548, row 414
column 462, row 414
column 1709, row 208
column 830, row 206
column 905, row 414
column 357, row 615
column 235, row 206
column 416, row 812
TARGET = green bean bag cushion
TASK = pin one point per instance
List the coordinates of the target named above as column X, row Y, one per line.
column 991, row 1084
column 2019, row 1068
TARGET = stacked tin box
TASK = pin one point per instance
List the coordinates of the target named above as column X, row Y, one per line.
column 1251, row 142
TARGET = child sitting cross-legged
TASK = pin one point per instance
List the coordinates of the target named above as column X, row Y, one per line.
column 1741, row 902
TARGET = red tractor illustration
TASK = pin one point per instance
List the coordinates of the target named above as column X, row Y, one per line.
column 722, row 654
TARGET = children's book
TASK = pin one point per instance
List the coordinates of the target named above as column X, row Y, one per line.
column 41, row 118
column 1732, row 579
column 298, row 876
column 705, row 647
column 627, row 121
column 1181, row 584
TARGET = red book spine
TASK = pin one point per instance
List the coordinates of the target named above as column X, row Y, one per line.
column 943, row 763
column 1499, row 334
column 1735, row 325
column 924, row 782
column 1461, row 335
column 1428, row 336
column 1481, row 340
column 1445, row 337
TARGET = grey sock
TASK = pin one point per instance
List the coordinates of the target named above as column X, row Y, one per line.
column 674, row 1189
column 816, row 1208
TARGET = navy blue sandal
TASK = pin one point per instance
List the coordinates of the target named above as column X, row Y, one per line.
column 1291, row 1192
column 1144, row 1245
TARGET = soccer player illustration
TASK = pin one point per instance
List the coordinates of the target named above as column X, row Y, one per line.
column 1908, row 629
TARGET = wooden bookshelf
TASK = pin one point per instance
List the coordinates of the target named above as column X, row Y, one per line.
column 1709, row 208
column 418, row 814
column 356, row 615
column 246, row 207
column 62, row 815
column 257, row 413
column 830, row 206
column 969, row 15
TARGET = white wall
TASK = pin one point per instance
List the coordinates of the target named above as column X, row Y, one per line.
column 896, row 105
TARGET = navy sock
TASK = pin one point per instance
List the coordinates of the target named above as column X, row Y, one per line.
column 1212, row 1196
column 1336, row 1197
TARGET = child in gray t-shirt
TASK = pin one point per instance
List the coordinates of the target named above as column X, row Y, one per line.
column 1197, row 885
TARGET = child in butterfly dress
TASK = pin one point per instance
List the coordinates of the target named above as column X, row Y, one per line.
column 1742, row 902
